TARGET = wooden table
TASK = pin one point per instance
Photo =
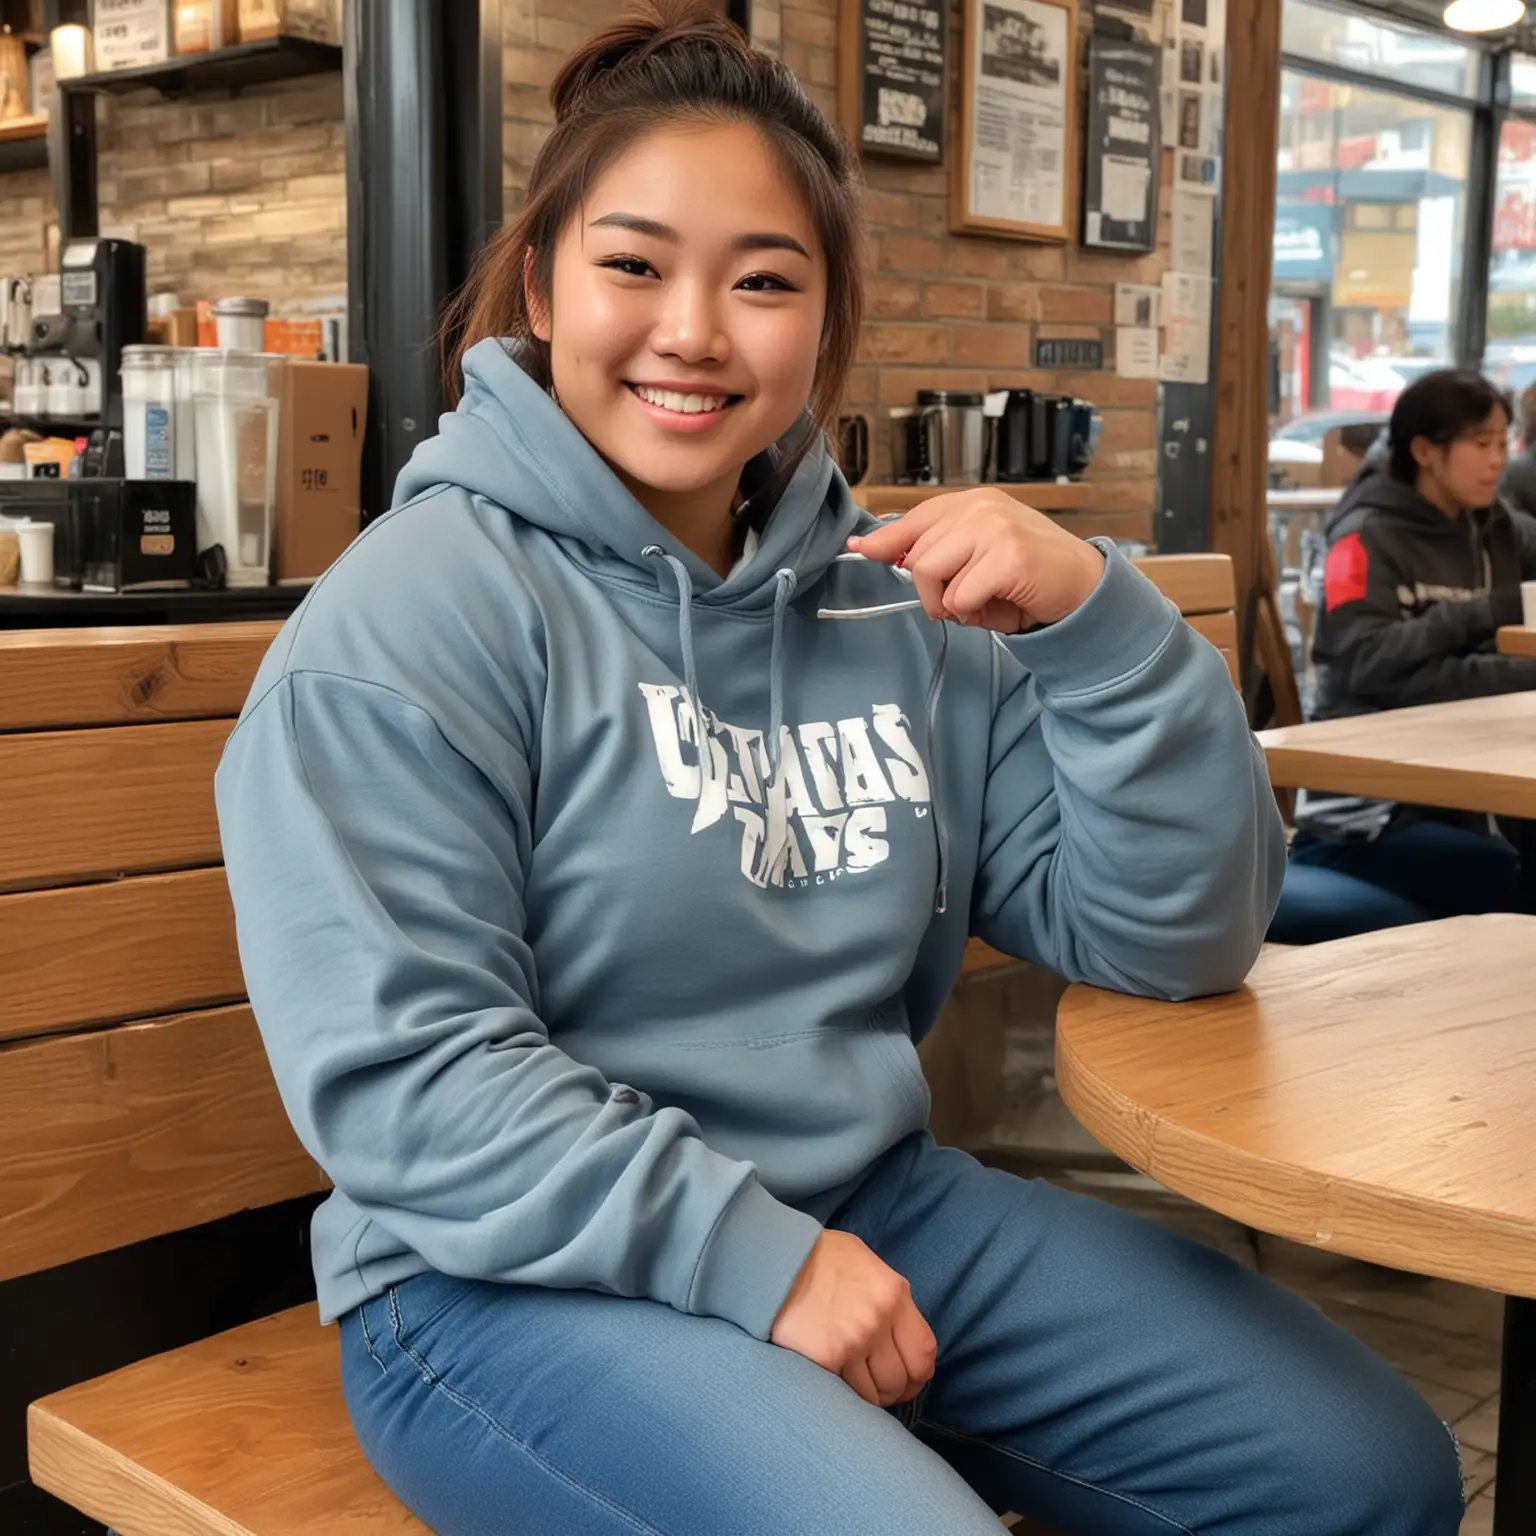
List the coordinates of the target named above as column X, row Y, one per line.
column 1517, row 640
column 1473, row 755
column 1372, row 1096
column 1305, row 500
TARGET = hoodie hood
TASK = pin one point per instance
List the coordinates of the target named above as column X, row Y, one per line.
column 1376, row 489
column 511, row 444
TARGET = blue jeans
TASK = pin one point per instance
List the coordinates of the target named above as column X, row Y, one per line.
column 1414, row 872
column 1099, row 1372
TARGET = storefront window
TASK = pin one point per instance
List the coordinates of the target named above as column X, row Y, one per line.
column 1377, row 48
column 1369, row 221
column 1510, row 353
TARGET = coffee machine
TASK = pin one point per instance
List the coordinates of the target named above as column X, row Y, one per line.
column 1040, row 436
column 78, row 350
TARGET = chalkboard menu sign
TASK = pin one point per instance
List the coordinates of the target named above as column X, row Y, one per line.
column 891, row 86
column 1124, row 150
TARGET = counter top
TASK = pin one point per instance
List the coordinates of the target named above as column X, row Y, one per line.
column 49, row 608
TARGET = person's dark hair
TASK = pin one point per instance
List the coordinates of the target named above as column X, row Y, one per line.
column 1444, row 406
column 663, row 62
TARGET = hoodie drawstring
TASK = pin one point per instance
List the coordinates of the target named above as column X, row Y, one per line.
column 784, row 584
column 690, row 667
column 784, row 592
column 931, row 708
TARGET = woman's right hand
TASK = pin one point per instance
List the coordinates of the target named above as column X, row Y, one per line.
column 854, row 1316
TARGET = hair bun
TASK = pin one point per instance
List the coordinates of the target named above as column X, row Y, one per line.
column 642, row 30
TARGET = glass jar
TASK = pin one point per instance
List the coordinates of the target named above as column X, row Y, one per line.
column 150, row 417
column 236, row 398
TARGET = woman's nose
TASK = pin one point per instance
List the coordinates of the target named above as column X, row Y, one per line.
column 689, row 325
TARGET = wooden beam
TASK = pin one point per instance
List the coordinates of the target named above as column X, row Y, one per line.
column 109, row 1138
column 1239, row 458
column 60, row 679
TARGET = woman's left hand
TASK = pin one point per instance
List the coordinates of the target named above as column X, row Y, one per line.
column 982, row 558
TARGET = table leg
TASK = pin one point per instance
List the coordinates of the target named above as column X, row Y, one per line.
column 1514, row 1509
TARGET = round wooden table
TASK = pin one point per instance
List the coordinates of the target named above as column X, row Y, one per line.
column 1375, row 1096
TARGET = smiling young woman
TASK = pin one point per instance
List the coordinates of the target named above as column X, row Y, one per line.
column 599, row 1002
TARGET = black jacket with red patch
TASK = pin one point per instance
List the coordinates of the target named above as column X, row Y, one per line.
column 1411, row 603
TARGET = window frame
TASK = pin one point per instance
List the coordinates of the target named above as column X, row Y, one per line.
column 1488, row 110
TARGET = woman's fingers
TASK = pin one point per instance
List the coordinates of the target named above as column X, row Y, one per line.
column 893, row 540
column 856, row 1374
column 888, row 1371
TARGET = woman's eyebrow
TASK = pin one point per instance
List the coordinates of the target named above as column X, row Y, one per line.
column 764, row 240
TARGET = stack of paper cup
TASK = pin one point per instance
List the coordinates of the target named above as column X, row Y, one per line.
column 1528, row 602
column 36, row 540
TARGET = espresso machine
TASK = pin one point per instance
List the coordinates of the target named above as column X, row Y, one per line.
column 78, row 350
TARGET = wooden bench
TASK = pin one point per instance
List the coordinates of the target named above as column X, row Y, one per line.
column 1203, row 589
column 135, row 1095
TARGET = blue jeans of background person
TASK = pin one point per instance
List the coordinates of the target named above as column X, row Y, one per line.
column 1414, row 872
column 1095, row 1370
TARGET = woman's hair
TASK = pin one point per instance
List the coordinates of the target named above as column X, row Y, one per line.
column 664, row 62
column 1443, row 406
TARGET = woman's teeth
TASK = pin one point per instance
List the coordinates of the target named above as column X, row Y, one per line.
column 688, row 405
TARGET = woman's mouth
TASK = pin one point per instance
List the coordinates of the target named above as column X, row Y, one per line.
column 680, row 410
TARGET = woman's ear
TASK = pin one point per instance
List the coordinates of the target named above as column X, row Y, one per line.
column 1423, row 451
column 538, row 310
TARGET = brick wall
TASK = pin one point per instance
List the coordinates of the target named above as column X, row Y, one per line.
column 234, row 195
column 239, row 195
column 944, row 310
column 26, row 210
column 962, row 311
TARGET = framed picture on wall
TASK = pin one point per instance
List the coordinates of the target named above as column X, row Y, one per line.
column 1017, row 165
column 893, row 76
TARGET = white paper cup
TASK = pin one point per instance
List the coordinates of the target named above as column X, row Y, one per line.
column 1528, row 602
column 36, row 540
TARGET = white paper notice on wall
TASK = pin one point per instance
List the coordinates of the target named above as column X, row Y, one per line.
column 1186, row 296
column 1186, row 355
column 1171, row 89
column 1126, row 184
column 1138, row 306
column 1135, row 352
column 1194, row 223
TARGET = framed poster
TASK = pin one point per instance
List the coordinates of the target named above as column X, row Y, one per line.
column 1124, row 150
column 1017, row 167
column 893, row 74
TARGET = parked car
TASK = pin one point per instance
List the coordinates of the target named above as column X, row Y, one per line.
column 1301, row 441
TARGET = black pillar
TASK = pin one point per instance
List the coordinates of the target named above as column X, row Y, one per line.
column 423, row 105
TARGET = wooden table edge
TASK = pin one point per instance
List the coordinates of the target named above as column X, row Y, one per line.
column 1151, row 1143
column 1457, row 789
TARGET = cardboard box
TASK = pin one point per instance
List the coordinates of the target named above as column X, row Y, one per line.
column 128, row 33
column 317, row 20
column 319, row 466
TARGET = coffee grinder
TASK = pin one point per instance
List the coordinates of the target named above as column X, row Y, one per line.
column 102, row 299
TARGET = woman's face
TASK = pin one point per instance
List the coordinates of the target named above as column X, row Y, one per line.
column 1468, row 470
column 686, row 314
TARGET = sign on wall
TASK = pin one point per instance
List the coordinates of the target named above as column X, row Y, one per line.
column 891, row 86
column 1016, row 168
column 1125, row 145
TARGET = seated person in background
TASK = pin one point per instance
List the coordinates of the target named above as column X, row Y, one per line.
column 1424, row 564
column 1518, row 487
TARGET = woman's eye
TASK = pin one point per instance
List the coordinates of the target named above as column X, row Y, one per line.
column 630, row 266
column 765, row 282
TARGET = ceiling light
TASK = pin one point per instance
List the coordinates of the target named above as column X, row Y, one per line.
column 1484, row 15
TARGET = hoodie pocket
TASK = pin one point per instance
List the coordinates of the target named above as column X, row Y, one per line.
column 887, row 1026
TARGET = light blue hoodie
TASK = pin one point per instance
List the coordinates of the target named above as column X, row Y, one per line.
column 555, row 1002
